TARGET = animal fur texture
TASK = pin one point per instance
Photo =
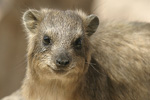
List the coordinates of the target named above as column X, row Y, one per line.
column 111, row 64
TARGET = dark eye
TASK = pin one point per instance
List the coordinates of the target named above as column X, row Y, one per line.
column 78, row 43
column 46, row 40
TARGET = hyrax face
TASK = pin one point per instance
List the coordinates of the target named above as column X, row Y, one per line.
column 58, row 42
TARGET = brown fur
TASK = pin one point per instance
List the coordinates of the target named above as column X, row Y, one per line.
column 122, row 50
column 112, row 65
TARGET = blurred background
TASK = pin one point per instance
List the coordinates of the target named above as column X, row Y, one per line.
column 13, row 38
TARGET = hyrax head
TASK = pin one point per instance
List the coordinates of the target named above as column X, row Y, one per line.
column 58, row 42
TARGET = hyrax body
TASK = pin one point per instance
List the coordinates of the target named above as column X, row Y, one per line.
column 67, row 62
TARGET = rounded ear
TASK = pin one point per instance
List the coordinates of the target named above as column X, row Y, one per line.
column 92, row 23
column 31, row 18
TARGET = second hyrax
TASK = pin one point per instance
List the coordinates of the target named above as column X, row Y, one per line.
column 66, row 61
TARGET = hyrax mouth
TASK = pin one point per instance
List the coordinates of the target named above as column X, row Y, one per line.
column 60, row 71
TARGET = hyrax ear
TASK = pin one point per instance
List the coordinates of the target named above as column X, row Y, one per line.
column 31, row 19
column 92, row 22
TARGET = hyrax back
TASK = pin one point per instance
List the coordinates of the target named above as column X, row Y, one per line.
column 123, row 51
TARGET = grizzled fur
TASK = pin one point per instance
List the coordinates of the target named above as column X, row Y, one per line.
column 113, row 63
column 123, row 51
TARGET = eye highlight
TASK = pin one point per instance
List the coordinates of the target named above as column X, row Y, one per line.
column 46, row 40
column 78, row 43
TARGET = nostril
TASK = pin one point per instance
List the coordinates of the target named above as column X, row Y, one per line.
column 58, row 62
column 66, row 62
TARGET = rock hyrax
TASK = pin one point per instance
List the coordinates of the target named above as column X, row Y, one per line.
column 66, row 61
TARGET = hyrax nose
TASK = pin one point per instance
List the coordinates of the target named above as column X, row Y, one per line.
column 62, row 61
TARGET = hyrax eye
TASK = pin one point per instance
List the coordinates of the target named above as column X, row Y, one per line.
column 46, row 40
column 78, row 43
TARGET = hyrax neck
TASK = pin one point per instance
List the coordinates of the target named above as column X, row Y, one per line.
column 53, row 90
